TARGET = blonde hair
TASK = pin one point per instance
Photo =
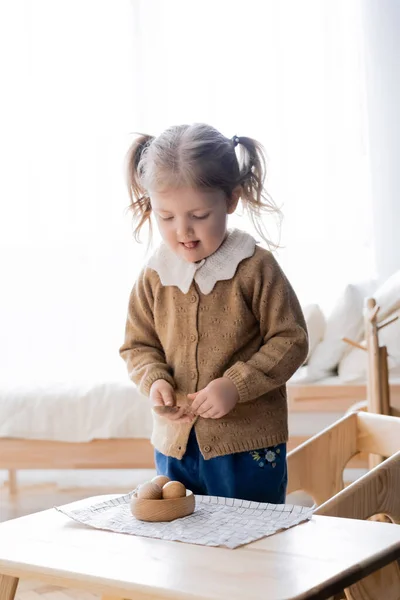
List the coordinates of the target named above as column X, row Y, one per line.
column 198, row 156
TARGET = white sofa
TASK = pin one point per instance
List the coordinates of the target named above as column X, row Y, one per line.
column 330, row 355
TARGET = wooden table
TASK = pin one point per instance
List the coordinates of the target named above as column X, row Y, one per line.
column 313, row 560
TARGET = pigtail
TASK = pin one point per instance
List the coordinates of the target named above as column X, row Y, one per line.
column 255, row 199
column 140, row 201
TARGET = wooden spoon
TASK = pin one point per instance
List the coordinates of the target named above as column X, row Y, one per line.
column 171, row 410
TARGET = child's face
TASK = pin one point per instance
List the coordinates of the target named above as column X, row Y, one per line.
column 192, row 222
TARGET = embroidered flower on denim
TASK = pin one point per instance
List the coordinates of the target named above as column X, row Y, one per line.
column 266, row 456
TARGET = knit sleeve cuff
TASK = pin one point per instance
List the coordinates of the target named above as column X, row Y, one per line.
column 237, row 375
column 146, row 384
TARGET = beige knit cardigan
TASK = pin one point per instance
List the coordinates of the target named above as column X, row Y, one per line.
column 250, row 329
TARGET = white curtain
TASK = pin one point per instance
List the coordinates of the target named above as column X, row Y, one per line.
column 86, row 74
column 67, row 257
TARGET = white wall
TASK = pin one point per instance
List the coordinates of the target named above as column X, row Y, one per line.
column 382, row 46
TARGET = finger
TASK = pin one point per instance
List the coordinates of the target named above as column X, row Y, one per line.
column 165, row 410
column 157, row 400
column 211, row 413
column 217, row 415
column 184, row 419
column 185, row 415
column 168, row 397
column 201, row 398
column 205, row 407
column 193, row 396
column 176, row 416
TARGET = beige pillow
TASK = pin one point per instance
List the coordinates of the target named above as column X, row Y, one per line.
column 344, row 321
column 316, row 323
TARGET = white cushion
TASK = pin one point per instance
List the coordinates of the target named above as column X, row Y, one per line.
column 353, row 367
column 345, row 321
column 387, row 296
column 304, row 376
column 74, row 411
column 316, row 324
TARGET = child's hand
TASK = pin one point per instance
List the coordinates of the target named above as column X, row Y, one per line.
column 163, row 394
column 216, row 400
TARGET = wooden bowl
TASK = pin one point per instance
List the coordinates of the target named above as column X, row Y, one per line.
column 162, row 510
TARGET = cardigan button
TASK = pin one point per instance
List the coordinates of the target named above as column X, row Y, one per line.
column 193, row 375
column 193, row 299
column 207, row 448
column 193, row 338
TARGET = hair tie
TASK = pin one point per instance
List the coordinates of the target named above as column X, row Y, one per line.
column 235, row 140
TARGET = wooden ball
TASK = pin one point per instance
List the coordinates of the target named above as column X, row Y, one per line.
column 173, row 489
column 149, row 491
column 161, row 480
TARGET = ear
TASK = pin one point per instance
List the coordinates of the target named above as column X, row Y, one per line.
column 234, row 199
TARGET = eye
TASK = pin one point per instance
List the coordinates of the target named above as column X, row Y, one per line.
column 201, row 216
column 166, row 218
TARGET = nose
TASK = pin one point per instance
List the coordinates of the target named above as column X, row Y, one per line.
column 184, row 229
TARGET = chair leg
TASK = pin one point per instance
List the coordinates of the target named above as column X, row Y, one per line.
column 8, row 587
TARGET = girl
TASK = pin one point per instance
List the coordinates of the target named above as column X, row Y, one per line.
column 214, row 327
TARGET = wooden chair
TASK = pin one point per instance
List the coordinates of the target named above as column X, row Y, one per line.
column 316, row 467
column 378, row 390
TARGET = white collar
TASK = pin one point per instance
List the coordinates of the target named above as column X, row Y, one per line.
column 220, row 266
